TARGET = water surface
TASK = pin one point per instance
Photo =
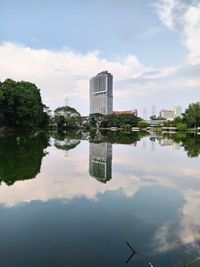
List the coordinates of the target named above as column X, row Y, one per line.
column 69, row 201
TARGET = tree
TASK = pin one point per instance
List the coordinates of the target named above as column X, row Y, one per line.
column 181, row 126
column 127, row 127
column 67, row 117
column 21, row 105
column 143, row 124
column 119, row 120
column 192, row 115
column 153, row 117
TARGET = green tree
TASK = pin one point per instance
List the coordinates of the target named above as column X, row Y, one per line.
column 115, row 120
column 143, row 124
column 21, row 105
column 192, row 115
column 127, row 127
column 181, row 126
column 153, row 117
column 67, row 118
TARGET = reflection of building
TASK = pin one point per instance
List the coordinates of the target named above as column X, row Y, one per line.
column 101, row 93
column 100, row 162
column 166, row 142
column 176, row 146
column 169, row 142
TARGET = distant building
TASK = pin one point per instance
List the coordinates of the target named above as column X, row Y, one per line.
column 155, row 122
column 177, row 111
column 101, row 93
column 167, row 114
column 100, row 161
column 126, row 112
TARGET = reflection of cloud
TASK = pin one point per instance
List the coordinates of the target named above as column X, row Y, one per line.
column 63, row 179
column 131, row 171
column 164, row 238
column 45, row 188
column 190, row 222
column 187, row 231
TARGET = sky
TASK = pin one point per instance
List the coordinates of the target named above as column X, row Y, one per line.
column 152, row 48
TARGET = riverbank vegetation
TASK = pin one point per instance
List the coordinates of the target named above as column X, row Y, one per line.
column 21, row 108
column 190, row 119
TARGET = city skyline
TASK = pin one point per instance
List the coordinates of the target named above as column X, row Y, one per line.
column 150, row 47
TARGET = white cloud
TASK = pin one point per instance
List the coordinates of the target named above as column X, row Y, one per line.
column 65, row 74
column 192, row 31
column 61, row 73
column 184, row 18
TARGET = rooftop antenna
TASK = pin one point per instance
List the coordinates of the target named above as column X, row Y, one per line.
column 67, row 101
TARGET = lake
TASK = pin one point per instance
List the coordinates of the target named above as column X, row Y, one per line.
column 92, row 199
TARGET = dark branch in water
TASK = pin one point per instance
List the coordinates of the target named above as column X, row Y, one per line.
column 134, row 252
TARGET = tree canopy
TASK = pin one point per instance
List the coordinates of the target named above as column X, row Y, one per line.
column 113, row 120
column 21, row 105
column 67, row 118
column 192, row 115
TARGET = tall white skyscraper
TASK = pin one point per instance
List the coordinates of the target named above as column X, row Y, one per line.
column 101, row 93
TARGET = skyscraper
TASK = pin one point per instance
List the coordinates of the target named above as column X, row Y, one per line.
column 101, row 93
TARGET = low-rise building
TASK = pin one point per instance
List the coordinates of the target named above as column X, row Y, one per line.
column 126, row 112
column 167, row 114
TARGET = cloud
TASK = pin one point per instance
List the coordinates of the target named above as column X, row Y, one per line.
column 61, row 73
column 183, row 17
column 65, row 74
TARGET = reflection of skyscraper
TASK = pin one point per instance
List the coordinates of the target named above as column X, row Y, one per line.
column 100, row 162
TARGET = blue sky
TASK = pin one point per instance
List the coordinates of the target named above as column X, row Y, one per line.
column 130, row 38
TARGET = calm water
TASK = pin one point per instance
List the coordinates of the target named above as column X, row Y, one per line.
column 71, row 202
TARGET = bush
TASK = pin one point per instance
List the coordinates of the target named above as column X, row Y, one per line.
column 127, row 127
column 181, row 126
column 143, row 124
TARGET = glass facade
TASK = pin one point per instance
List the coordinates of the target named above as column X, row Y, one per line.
column 101, row 93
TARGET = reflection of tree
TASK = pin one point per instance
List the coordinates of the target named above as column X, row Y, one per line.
column 190, row 142
column 66, row 144
column 192, row 146
column 119, row 137
column 20, row 157
column 66, row 141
